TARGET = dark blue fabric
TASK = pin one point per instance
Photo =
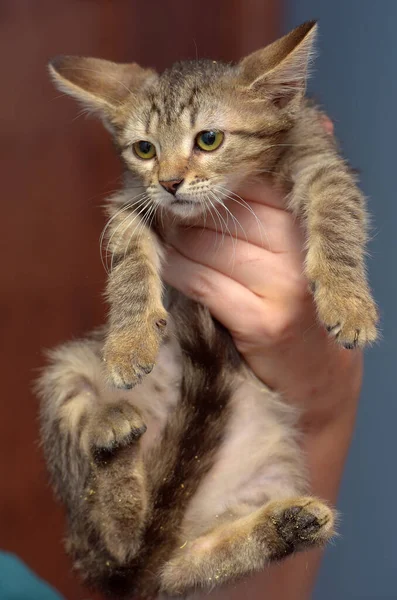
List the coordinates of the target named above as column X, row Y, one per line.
column 355, row 78
column 18, row 582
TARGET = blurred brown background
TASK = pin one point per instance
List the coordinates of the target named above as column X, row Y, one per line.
column 56, row 171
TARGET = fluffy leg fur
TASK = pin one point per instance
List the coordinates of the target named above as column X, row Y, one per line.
column 332, row 208
column 91, row 442
column 245, row 545
column 137, row 318
column 125, row 508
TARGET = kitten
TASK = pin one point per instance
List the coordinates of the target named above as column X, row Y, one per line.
column 195, row 478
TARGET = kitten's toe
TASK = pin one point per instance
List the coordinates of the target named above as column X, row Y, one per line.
column 300, row 523
column 124, row 373
column 115, row 426
column 131, row 353
column 349, row 317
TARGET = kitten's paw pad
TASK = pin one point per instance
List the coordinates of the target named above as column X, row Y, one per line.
column 129, row 355
column 301, row 523
column 115, row 426
column 350, row 319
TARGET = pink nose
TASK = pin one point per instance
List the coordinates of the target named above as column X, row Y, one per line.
column 171, row 185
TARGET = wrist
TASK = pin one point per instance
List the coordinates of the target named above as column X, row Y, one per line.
column 317, row 375
column 335, row 392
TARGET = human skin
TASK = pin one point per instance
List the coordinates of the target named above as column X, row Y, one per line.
column 256, row 288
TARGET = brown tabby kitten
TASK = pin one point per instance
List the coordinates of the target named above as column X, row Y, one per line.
column 195, row 478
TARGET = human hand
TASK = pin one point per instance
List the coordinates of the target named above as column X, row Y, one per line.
column 256, row 288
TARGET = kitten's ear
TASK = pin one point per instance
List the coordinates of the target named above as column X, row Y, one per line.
column 100, row 84
column 280, row 70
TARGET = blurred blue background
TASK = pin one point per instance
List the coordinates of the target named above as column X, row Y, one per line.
column 355, row 80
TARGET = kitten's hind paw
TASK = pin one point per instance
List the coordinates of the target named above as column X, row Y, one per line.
column 237, row 548
column 115, row 426
column 300, row 523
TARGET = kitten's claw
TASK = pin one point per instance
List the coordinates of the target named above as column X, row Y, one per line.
column 124, row 373
column 349, row 346
column 350, row 318
column 130, row 354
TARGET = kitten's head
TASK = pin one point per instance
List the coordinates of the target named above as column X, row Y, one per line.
column 193, row 133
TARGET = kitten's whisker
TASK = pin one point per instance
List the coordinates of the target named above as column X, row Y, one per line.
column 83, row 112
column 239, row 200
column 162, row 216
column 125, row 204
column 285, row 145
column 134, row 187
column 234, row 218
column 103, row 234
column 219, row 201
column 219, row 220
column 262, row 170
column 134, row 215
column 195, row 46
column 213, row 219
column 205, row 216
column 124, row 207
column 144, row 223
column 173, row 221
column 129, row 206
column 221, row 216
column 234, row 240
column 205, row 213
column 111, row 251
column 135, row 231
column 256, row 172
column 153, row 216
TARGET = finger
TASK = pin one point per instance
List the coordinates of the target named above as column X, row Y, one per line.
column 263, row 273
column 269, row 228
column 252, row 321
column 262, row 191
column 224, row 297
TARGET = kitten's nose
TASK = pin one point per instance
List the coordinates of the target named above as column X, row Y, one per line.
column 171, row 185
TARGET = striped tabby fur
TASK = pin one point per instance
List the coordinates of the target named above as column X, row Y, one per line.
column 194, row 477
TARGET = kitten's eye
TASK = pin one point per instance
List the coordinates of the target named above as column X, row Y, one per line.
column 144, row 149
column 209, row 140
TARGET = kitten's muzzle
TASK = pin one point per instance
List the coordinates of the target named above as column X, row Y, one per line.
column 171, row 185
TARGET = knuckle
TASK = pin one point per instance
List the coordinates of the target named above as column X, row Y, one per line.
column 253, row 332
column 200, row 287
column 261, row 326
column 281, row 327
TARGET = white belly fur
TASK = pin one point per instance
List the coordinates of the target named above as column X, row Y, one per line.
column 259, row 458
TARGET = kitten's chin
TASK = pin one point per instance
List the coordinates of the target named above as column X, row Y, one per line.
column 185, row 209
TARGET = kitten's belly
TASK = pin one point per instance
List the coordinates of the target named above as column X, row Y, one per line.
column 254, row 462
column 158, row 394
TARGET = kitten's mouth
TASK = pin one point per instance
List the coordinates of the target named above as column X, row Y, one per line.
column 184, row 207
column 182, row 202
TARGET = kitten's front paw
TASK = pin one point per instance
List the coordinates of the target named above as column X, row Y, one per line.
column 130, row 354
column 349, row 316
